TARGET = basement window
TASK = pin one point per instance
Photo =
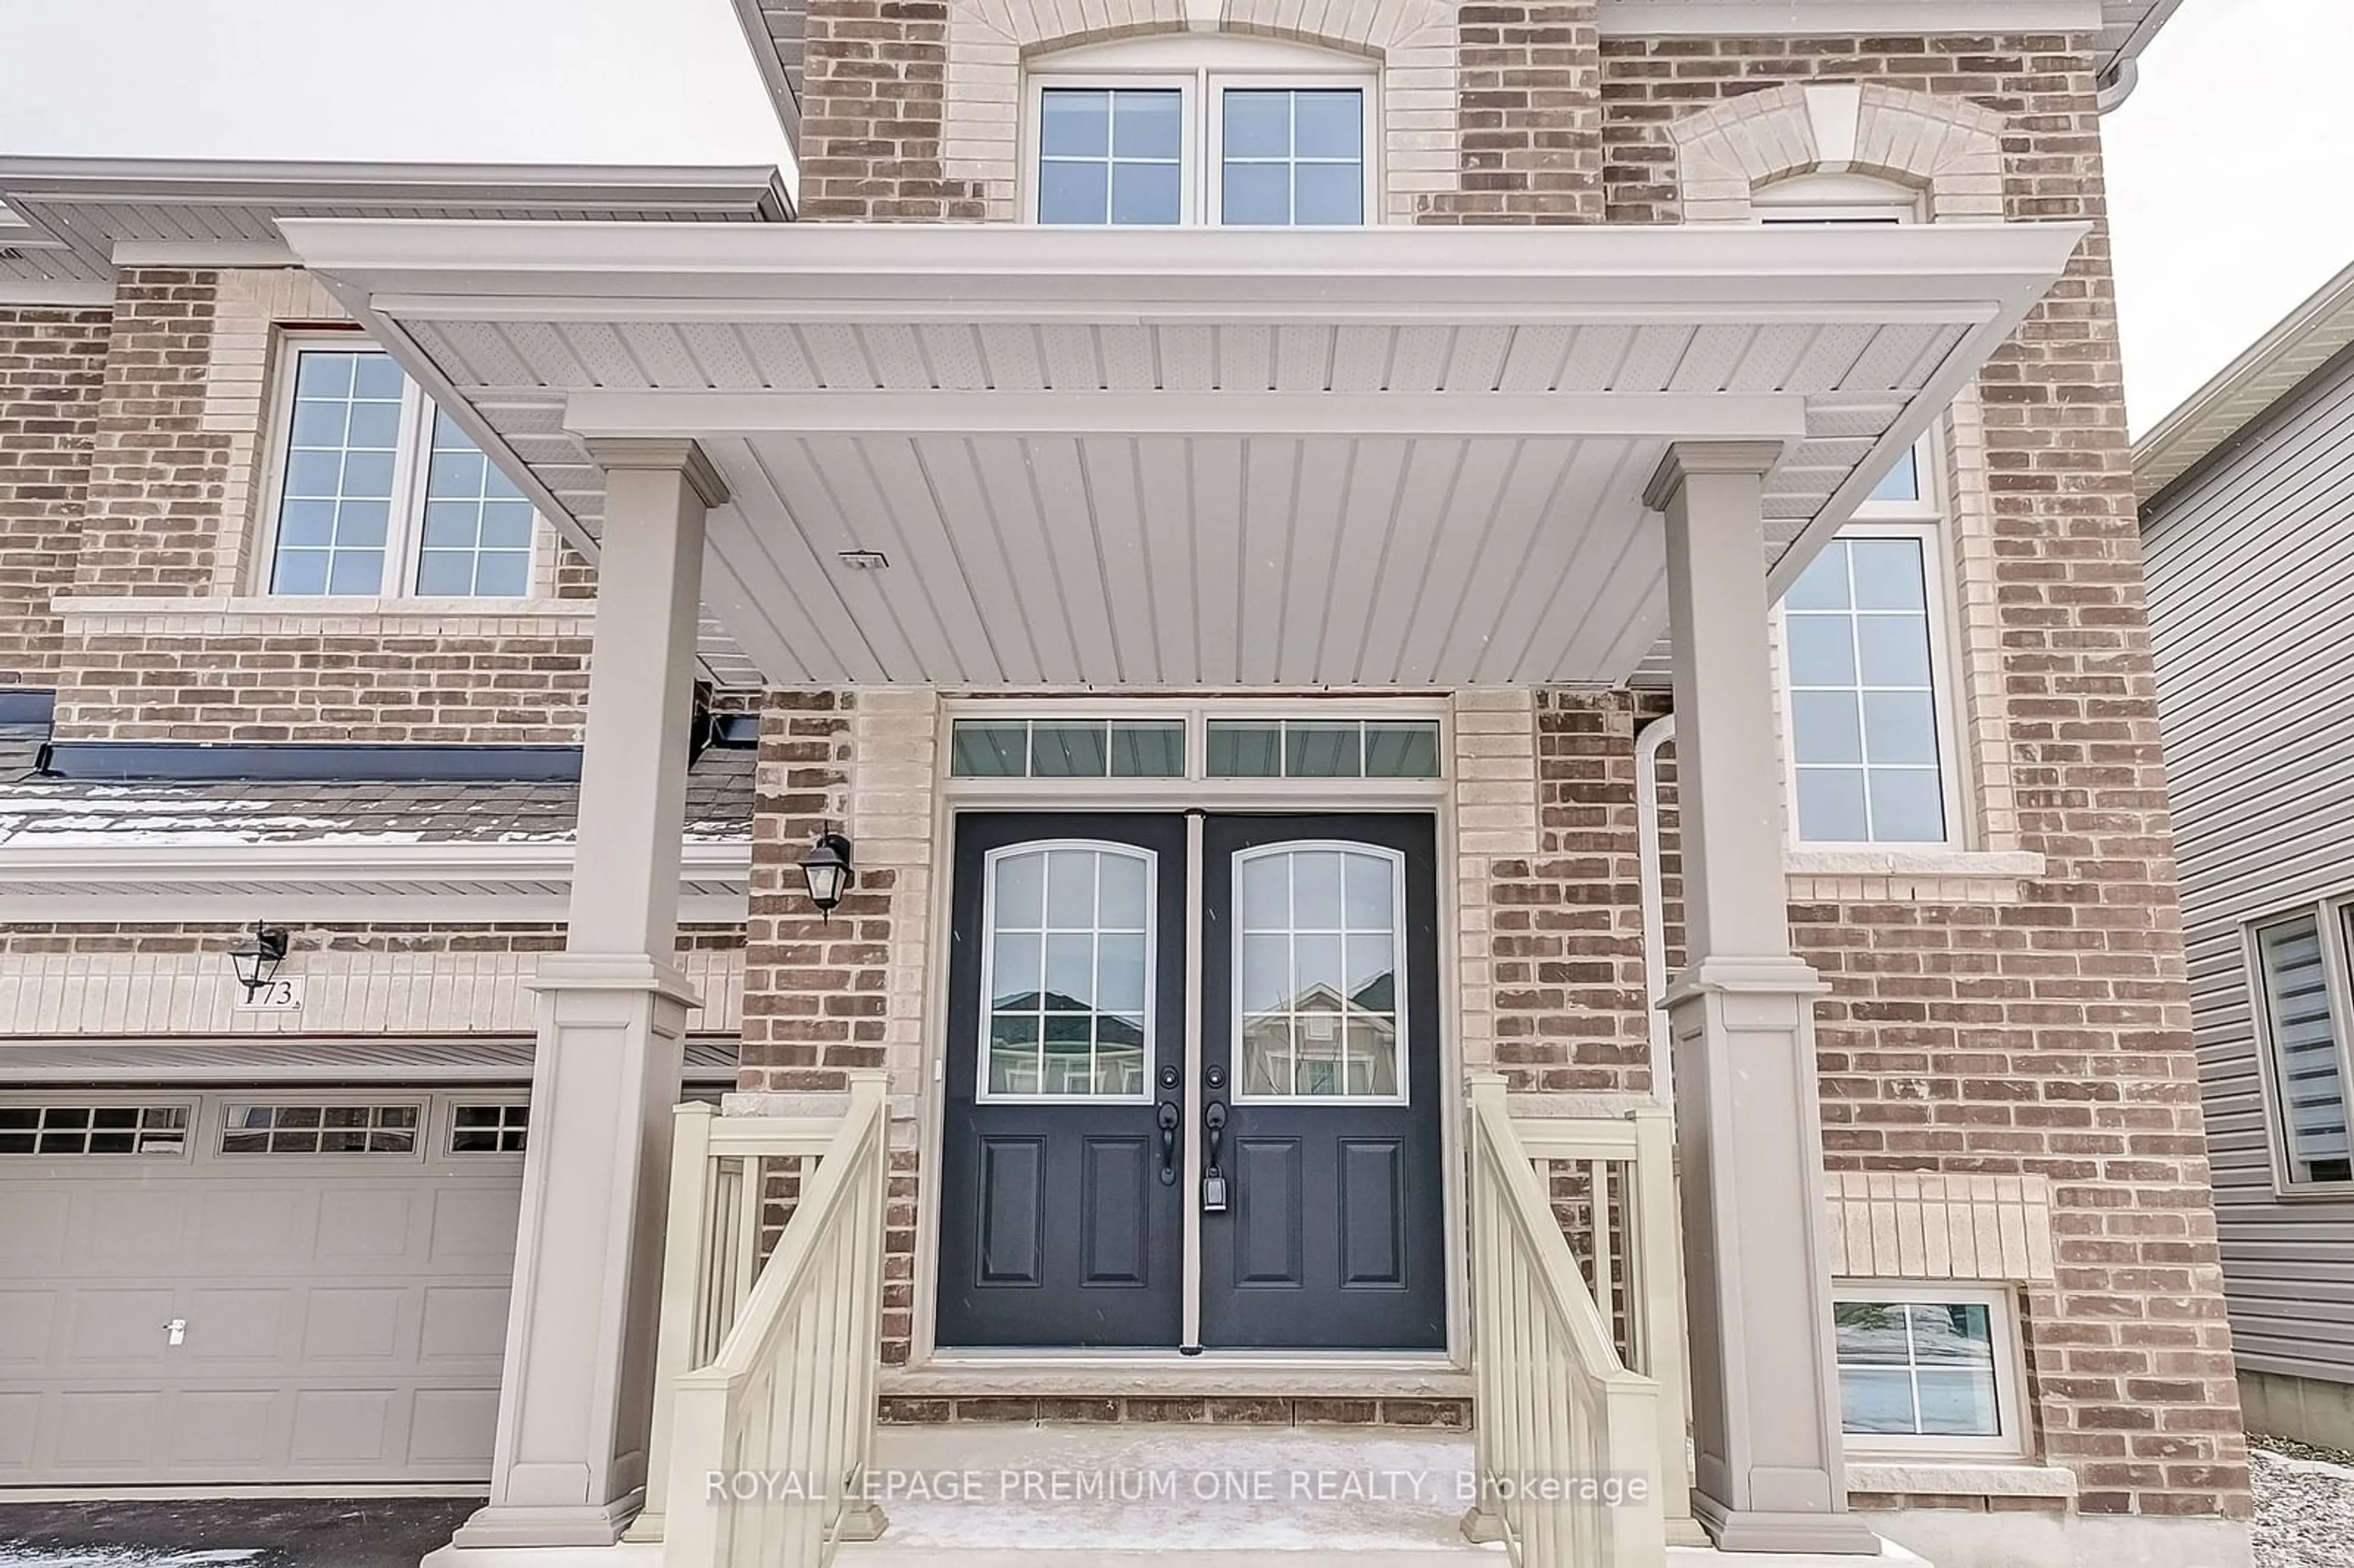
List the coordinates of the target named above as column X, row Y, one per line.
column 378, row 493
column 1928, row 1369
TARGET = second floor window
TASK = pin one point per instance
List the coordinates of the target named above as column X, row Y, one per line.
column 1868, row 758
column 1250, row 138
column 380, row 494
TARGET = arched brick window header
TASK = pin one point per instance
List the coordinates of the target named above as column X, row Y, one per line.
column 1413, row 44
column 1948, row 148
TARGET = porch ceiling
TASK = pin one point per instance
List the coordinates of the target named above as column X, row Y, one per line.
column 1367, row 458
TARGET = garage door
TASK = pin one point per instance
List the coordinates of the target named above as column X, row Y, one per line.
column 254, row 1286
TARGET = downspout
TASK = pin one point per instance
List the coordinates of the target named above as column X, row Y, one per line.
column 2115, row 85
column 1653, row 896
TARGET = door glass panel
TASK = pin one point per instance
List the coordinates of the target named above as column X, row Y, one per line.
column 1318, row 948
column 1069, row 953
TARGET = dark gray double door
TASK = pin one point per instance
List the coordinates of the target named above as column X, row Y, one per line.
column 1299, row 955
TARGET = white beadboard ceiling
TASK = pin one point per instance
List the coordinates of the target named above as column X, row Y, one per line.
column 1202, row 457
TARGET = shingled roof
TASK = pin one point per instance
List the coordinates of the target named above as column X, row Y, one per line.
column 34, row 809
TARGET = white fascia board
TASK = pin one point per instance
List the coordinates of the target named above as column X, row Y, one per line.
column 1815, row 18
column 771, row 66
column 456, row 906
column 245, row 865
column 454, row 271
column 2247, row 389
column 72, row 293
column 203, row 253
column 395, row 883
column 754, row 188
column 1691, row 416
column 1936, row 395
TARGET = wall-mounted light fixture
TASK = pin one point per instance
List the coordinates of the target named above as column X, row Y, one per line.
column 257, row 957
column 825, row 871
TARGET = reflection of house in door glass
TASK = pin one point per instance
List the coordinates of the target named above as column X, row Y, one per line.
column 1323, row 1046
column 1319, row 956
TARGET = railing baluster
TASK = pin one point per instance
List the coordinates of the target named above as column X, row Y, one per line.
column 1558, row 1406
column 788, row 1388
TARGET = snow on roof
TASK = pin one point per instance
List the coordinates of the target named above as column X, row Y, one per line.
column 60, row 813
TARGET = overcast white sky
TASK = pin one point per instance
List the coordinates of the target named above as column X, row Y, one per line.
column 2229, row 169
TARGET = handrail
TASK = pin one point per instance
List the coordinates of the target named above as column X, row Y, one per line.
column 1568, row 1439
column 1639, row 1142
column 770, row 1442
column 711, row 1251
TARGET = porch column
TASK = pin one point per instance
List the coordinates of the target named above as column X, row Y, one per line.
column 1770, row 1476
column 576, row 1399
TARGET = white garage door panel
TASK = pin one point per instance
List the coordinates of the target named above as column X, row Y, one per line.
column 344, row 1315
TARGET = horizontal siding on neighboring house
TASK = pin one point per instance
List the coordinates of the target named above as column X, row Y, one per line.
column 2251, row 603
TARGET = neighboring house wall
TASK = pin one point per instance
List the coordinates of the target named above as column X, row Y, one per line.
column 133, row 500
column 2250, row 561
column 2018, row 1009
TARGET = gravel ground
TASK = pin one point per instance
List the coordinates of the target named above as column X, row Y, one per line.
column 391, row 1533
column 2305, row 1504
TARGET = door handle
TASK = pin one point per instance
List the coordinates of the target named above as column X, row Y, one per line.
column 1213, row 1180
column 1168, row 1118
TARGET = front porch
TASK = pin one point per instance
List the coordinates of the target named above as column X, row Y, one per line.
column 1414, row 467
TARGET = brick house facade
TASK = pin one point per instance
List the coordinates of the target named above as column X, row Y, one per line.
column 2004, row 1038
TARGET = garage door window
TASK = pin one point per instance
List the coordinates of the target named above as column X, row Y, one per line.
column 93, row 1129
column 320, row 1130
column 488, row 1130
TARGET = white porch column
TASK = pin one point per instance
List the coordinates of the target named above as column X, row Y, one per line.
column 577, row 1397
column 1770, row 1476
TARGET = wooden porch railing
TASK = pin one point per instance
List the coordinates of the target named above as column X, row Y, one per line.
column 769, row 1381
column 1565, row 1430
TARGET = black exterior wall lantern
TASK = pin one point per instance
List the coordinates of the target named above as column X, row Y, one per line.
column 825, row 871
column 257, row 957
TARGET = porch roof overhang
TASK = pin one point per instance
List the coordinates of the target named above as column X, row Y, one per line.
column 1202, row 457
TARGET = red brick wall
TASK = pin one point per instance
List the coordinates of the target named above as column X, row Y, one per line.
column 112, row 487
column 358, row 684
column 1531, row 114
column 870, row 139
column 1570, row 1009
column 813, row 986
column 52, row 364
column 2051, row 1034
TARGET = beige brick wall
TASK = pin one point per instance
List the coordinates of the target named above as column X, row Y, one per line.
column 176, row 982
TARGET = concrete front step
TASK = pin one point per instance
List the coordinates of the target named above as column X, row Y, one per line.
column 1171, row 1495
column 1129, row 1496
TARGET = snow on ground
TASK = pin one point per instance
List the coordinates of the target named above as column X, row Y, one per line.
column 2305, row 1506
column 116, row 1557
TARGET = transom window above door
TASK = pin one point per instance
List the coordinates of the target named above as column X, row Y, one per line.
column 1169, row 132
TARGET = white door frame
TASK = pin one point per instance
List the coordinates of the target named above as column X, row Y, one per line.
column 953, row 797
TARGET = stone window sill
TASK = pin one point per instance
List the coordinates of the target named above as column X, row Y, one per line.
column 1929, row 875
column 288, row 614
column 1911, row 863
column 1957, row 1478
